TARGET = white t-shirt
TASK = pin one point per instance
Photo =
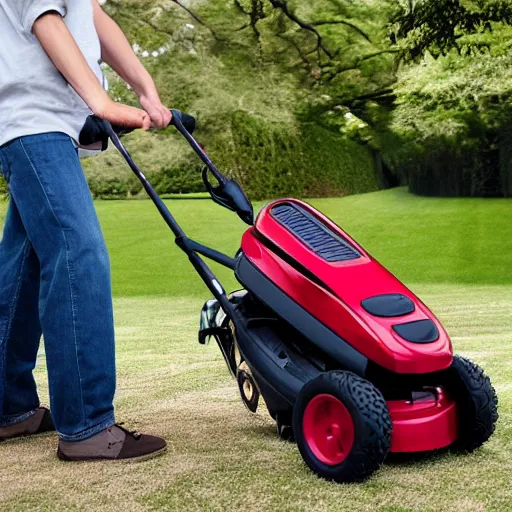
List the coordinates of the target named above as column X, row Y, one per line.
column 34, row 96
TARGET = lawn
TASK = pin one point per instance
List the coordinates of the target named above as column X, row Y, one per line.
column 421, row 240
column 455, row 253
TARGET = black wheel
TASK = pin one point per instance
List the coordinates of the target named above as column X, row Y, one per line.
column 248, row 390
column 342, row 426
column 476, row 402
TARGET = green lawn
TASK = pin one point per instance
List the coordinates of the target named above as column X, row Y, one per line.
column 421, row 240
column 455, row 253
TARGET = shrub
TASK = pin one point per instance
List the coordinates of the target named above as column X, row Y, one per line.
column 449, row 119
column 164, row 159
column 4, row 190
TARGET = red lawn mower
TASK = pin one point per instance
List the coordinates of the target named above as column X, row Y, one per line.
column 350, row 363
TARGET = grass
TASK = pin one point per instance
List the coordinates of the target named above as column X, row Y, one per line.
column 221, row 458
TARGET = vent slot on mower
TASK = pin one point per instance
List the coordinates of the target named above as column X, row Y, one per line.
column 318, row 237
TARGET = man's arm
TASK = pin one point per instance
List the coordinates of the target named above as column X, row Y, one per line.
column 117, row 52
column 59, row 44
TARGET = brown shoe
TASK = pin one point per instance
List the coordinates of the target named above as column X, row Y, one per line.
column 39, row 423
column 115, row 443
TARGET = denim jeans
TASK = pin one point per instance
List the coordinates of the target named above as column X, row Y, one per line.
column 54, row 281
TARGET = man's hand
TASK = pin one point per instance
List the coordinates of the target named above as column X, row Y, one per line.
column 122, row 115
column 160, row 115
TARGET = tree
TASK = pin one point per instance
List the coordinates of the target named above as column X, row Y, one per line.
column 453, row 105
column 439, row 26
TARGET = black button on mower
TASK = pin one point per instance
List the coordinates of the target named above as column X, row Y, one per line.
column 421, row 331
column 388, row 305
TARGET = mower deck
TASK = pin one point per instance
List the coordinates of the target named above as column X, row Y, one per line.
column 426, row 424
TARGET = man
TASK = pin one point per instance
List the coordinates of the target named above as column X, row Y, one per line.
column 54, row 266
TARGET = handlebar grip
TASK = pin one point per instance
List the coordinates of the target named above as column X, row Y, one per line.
column 92, row 132
column 179, row 120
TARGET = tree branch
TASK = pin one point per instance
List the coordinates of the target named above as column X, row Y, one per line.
column 302, row 55
column 385, row 92
column 196, row 17
column 255, row 15
column 283, row 6
column 342, row 22
column 337, row 69
column 124, row 12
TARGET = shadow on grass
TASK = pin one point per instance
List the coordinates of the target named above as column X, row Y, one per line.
column 261, row 431
column 410, row 459
column 404, row 460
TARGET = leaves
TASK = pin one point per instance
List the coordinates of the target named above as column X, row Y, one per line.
column 439, row 26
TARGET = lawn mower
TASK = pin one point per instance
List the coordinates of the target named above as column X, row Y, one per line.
column 350, row 364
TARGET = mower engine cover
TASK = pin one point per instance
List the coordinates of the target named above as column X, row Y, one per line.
column 322, row 269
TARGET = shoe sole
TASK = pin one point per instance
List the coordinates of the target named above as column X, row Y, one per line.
column 26, row 436
column 140, row 458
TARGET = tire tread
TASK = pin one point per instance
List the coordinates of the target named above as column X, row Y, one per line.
column 477, row 401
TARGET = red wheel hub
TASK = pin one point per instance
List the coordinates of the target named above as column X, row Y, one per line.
column 328, row 429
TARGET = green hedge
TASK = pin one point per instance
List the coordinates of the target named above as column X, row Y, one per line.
column 454, row 168
column 168, row 180
column 446, row 170
column 268, row 159
column 307, row 160
column 451, row 118
column 164, row 158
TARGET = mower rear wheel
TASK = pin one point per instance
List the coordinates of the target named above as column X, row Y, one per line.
column 342, row 426
column 249, row 392
column 476, row 402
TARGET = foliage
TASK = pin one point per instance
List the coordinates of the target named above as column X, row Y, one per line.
column 163, row 157
column 439, row 26
column 233, row 61
column 310, row 161
column 269, row 159
column 450, row 116
column 3, row 187
column 281, row 88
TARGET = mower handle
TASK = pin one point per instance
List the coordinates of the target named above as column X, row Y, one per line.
column 98, row 130
column 227, row 193
column 179, row 119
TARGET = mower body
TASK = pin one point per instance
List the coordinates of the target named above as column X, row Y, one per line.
column 325, row 304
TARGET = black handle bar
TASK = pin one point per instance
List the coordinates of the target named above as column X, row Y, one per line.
column 95, row 130
column 187, row 121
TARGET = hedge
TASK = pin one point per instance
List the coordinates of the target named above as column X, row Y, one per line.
column 268, row 159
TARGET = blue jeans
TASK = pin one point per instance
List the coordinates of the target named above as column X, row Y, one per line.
column 55, row 281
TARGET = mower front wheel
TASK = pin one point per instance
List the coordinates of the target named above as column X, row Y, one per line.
column 476, row 402
column 342, row 426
